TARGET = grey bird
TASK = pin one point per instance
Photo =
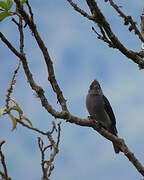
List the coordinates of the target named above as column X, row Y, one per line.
column 100, row 109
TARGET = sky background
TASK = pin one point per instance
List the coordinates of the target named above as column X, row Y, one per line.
column 79, row 58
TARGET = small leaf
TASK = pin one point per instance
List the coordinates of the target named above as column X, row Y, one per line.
column 14, row 121
column 27, row 119
column 9, row 4
column 23, row 1
column 2, row 111
column 18, row 109
column 3, row 5
column 13, row 101
column 4, row 14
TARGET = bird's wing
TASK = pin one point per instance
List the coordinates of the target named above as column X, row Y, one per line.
column 109, row 111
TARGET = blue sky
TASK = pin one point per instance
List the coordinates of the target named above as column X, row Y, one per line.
column 79, row 58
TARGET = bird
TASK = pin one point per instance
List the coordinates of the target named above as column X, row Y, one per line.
column 100, row 109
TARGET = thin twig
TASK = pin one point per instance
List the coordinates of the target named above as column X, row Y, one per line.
column 10, row 89
column 3, row 161
column 21, row 35
column 30, row 127
column 53, row 127
column 15, row 21
column 30, row 10
column 142, row 28
column 127, row 20
column 9, row 45
column 104, row 38
column 82, row 12
column 47, row 165
column 59, row 131
column 3, row 176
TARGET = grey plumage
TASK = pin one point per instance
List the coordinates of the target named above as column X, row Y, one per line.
column 100, row 109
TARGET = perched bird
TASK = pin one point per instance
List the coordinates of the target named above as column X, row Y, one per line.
column 100, row 109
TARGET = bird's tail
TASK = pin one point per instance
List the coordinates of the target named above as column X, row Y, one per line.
column 116, row 148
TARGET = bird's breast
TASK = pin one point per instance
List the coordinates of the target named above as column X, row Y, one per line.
column 94, row 103
column 95, row 107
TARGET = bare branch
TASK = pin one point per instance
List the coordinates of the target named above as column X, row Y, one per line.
column 13, row 81
column 121, row 143
column 39, row 91
column 98, row 18
column 53, row 127
column 47, row 165
column 30, row 10
column 10, row 89
column 59, row 131
column 45, row 53
column 3, row 176
column 30, row 127
column 21, row 36
column 9, row 45
column 142, row 28
column 82, row 12
column 127, row 20
column 104, row 38
column 3, row 161
column 14, row 20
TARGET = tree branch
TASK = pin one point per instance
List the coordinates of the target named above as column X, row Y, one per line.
column 45, row 53
column 9, row 45
column 127, row 20
column 106, row 31
column 103, row 37
column 76, row 120
column 11, row 87
column 39, row 91
column 121, row 143
column 82, row 12
column 142, row 28
column 47, row 165
column 30, row 127
column 99, row 19
column 5, row 174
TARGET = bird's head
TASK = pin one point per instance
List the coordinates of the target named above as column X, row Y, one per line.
column 95, row 87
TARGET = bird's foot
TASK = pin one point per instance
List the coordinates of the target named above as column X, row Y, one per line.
column 92, row 117
column 99, row 124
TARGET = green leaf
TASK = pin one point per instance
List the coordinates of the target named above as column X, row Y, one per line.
column 3, row 5
column 4, row 14
column 6, row 5
column 25, row 118
column 2, row 111
column 23, row 1
column 18, row 109
column 9, row 4
column 14, row 121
